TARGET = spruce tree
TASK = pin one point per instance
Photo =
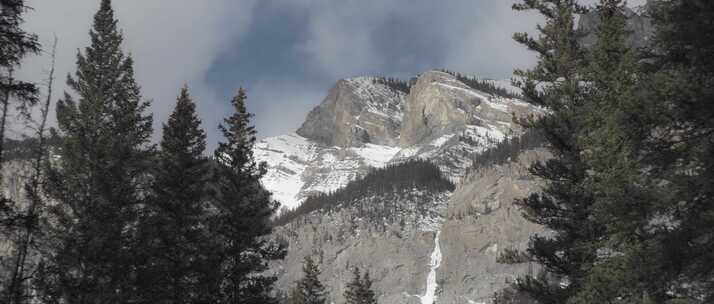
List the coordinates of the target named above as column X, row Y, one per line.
column 16, row 45
column 353, row 292
column 369, row 297
column 616, row 125
column 244, row 210
column 359, row 290
column 29, row 226
column 681, row 150
column 173, row 233
column 639, row 133
column 294, row 296
column 100, row 183
column 310, row 290
column 564, row 205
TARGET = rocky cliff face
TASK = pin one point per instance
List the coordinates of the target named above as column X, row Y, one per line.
column 439, row 245
column 639, row 25
column 419, row 246
column 474, row 224
column 447, row 121
column 363, row 123
column 355, row 112
column 14, row 175
column 481, row 221
column 395, row 250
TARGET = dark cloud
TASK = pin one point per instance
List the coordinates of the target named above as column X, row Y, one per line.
column 171, row 44
column 287, row 53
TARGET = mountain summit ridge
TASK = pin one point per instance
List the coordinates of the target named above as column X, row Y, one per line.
column 363, row 123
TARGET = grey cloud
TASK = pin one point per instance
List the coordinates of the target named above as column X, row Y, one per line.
column 175, row 42
column 171, row 44
column 289, row 102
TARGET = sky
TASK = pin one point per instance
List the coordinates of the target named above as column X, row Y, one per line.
column 286, row 53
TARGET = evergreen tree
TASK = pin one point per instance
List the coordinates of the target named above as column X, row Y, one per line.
column 354, row 288
column 622, row 193
column 16, row 45
column 294, row 297
column 681, row 150
column 564, row 205
column 28, row 226
column 244, row 209
column 642, row 148
column 310, row 290
column 369, row 297
column 100, row 183
column 402, row 177
column 359, row 290
column 173, row 233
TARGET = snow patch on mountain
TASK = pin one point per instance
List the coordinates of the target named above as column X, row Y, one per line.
column 363, row 124
column 367, row 89
column 466, row 90
column 298, row 167
column 287, row 157
column 376, row 155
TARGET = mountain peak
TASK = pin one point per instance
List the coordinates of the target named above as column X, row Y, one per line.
column 356, row 111
column 368, row 122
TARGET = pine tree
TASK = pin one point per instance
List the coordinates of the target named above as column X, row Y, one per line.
column 100, row 184
column 244, row 209
column 564, row 205
column 173, row 231
column 681, row 150
column 29, row 227
column 369, row 296
column 612, row 150
column 294, row 297
column 353, row 292
column 359, row 290
column 310, row 290
column 16, row 45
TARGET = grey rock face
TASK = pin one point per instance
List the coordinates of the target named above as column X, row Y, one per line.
column 438, row 103
column 477, row 222
column 364, row 124
column 446, row 121
column 13, row 177
column 481, row 222
column 361, row 124
column 356, row 111
column 638, row 24
column 394, row 249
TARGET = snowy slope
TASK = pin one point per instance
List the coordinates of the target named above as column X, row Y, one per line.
column 300, row 166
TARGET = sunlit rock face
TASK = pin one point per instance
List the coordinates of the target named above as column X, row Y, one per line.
column 363, row 124
column 481, row 222
column 438, row 104
column 475, row 223
column 356, row 111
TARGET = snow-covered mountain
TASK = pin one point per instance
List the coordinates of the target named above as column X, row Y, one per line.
column 439, row 245
column 364, row 123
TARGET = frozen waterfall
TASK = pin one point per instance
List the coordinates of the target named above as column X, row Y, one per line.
column 430, row 292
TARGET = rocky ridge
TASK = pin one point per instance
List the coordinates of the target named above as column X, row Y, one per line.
column 638, row 24
column 439, row 245
column 363, row 124
column 465, row 231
